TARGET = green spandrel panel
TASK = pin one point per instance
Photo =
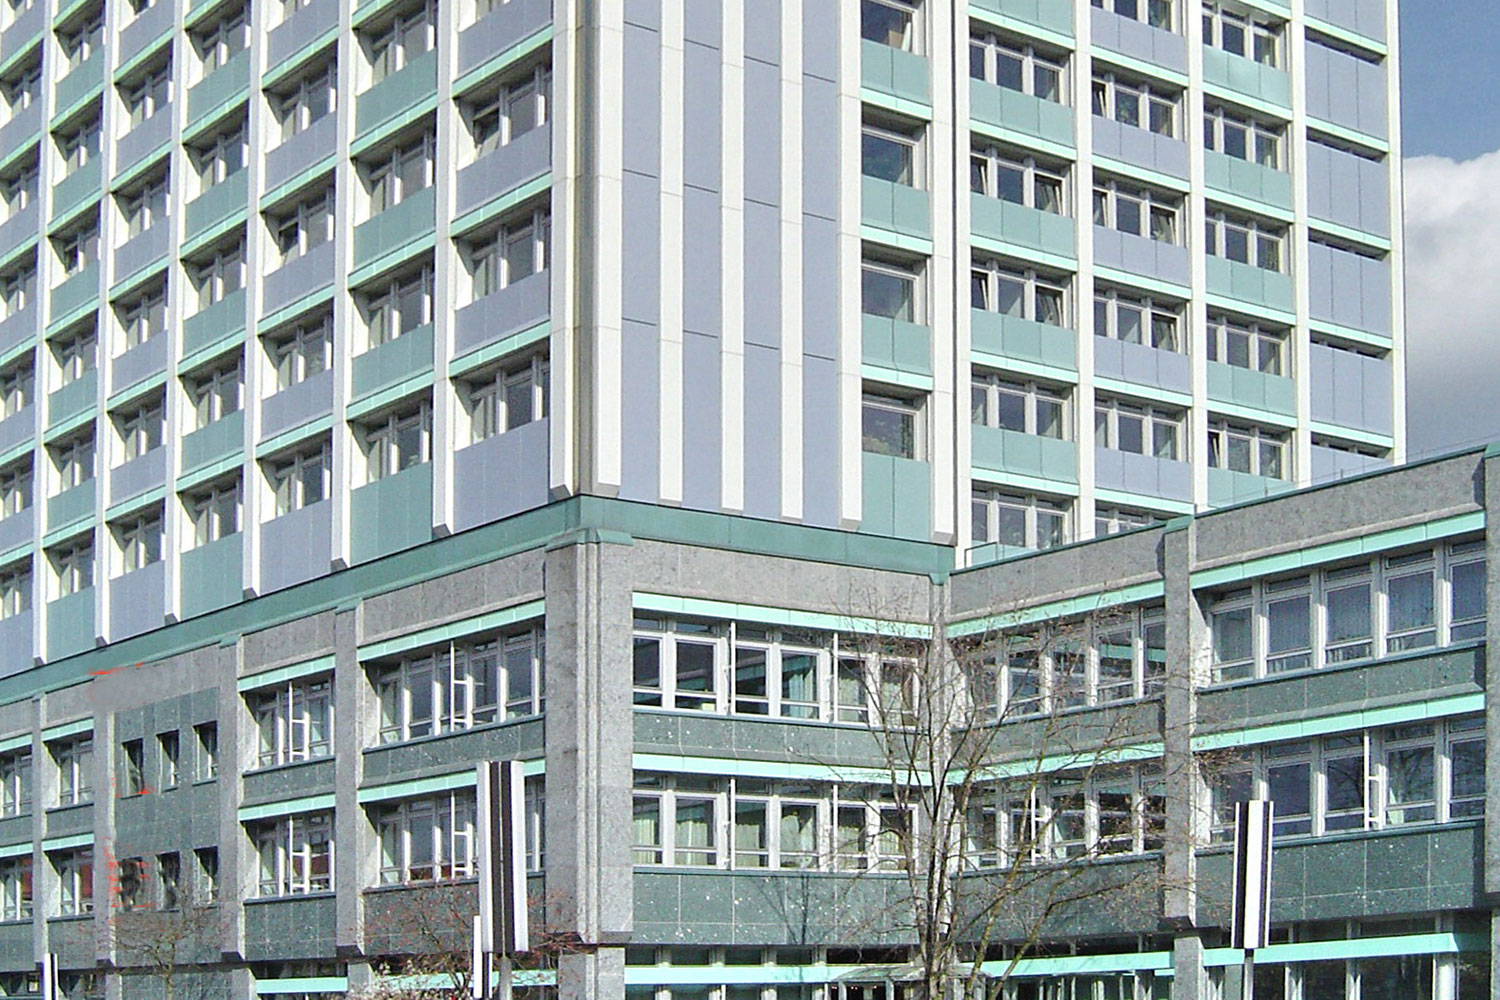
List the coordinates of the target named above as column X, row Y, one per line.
column 898, row 74
column 219, row 440
column 1248, row 283
column 398, row 225
column 891, row 343
column 896, row 207
column 1023, row 339
column 1001, row 450
column 1248, row 180
column 224, row 85
column 71, row 505
column 1227, row 487
column 1049, row 14
column 992, row 218
column 220, row 320
column 212, row 575
column 83, row 78
column 998, row 107
column 394, row 361
column 1248, row 77
column 219, row 203
column 392, row 513
column 397, row 93
column 79, row 187
column 897, row 497
column 70, row 624
column 1247, row 387
column 78, row 396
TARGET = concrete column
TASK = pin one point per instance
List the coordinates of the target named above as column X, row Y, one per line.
column 1187, row 651
column 351, row 867
column 1187, row 968
column 589, row 740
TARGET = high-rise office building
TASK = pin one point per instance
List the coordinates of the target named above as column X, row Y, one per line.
column 390, row 362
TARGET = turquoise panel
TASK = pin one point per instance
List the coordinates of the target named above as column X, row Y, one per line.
column 1248, row 77
column 897, row 497
column 1011, row 109
column 1248, row 180
column 1226, row 487
column 218, row 204
column 212, row 575
column 992, row 218
column 1249, row 283
column 397, row 93
column 890, row 71
column 71, row 505
column 70, row 624
column 1001, row 450
column 220, row 320
column 892, row 343
column 391, row 513
column 76, row 189
column 394, row 361
column 78, row 396
column 226, row 84
column 896, row 207
column 85, row 77
column 76, row 292
column 217, row 441
column 1022, row 339
column 395, row 227
column 994, row 552
column 1047, row 14
column 1230, row 384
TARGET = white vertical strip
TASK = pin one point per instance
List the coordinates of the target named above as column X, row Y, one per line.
column 963, row 259
column 1196, row 210
column 673, row 59
column 607, row 101
column 732, row 242
column 1083, row 300
column 851, row 385
column 791, row 258
column 446, row 420
column 1297, row 255
column 942, row 274
column 1398, row 231
column 348, row 464
column 567, row 112
column 260, row 372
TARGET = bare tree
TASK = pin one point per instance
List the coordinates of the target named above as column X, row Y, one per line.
column 169, row 939
column 978, row 825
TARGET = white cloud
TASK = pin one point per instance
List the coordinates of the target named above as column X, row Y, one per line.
column 1452, row 302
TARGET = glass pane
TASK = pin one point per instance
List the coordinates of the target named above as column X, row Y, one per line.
column 887, row 294
column 886, row 159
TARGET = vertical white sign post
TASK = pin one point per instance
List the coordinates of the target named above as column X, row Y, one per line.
column 47, row 976
column 500, row 930
column 1250, row 918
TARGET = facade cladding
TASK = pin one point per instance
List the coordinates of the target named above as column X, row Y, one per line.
column 369, row 368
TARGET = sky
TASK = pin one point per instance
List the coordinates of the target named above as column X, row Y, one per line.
column 1451, row 140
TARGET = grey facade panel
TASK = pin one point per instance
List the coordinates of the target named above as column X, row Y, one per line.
column 645, row 13
column 1140, row 40
column 1140, row 255
column 640, row 412
column 503, row 27
column 702, row 252
column 514, row 308
column 1142, row 365
column 820, row 40
column 642, row 100
column 1345, row 89
column 145, row 137
column 1348, row 189
column 1329, row 464
column 820, row 149
column 23, row 129
column 762, row 431
column 1350, row 389
column 16, row 529
column 524, row 158
column 297, row 30
column 1140, row 146
column 138, row 475
column 1143, row 474
column 820, row 442
column 27, row 25
column 820, row 287
column 137, row 601
column 18, row 230
column 702, row 109
column 142, row 250
column 703, row 23
column 502, row 475
column 318, row 141
column 297, row 546
column 1349, row 289
column 138, row 364
column 702, row 455
column 297, row 404
column 290, row 928
column 640, row 292
column 762, row 158
column 298, row 277
column 763, row 30
column 15, row 329
column 762, row 275
column 1367, row 17
column 17, row 428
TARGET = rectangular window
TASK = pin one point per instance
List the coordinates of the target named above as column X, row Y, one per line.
column 294, row 722
column 397, row 442
column 302, row 353
column 888, row 22
column 133, row 767
column 1410, row 784
column 74, row 760
column 295, row 855
column 511, row 397
column 891, row 426
column 1466, row 583
column 15, row 889
column 168, row 754
column 75, row 878
column 169, row 881
column 1410, row 608
column 427, row 840
column 409, row 35
column 208, row 874
column 301, row 480
column 206, row 735
column 15, row 783
column 461, row 686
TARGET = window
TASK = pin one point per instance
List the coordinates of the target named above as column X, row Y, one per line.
column 1135, row 320
column 149, row 94
column 206, row 734
column 515, row 251
column 1024, row 407
column 1071, row 816
column 304, row 226
column 74, row 567
column 215, row 394
column 218, row 157
column 1246, row 345
column 407, row 36
column 1113, row 520
column 1137, row 211
column 306, row 101
column 222, row 41
column 397, row 306
column 81, row 42
column 143, row 316
column 1466, row 589
column 680, row 669
column 889, row 291
column 208, row 873
column 139, row 541
column 1245, row 241
column 304, row 351
column 15, row 592
column 1136, row 103
column 1018, row 520
column 18, row 189
column 460, row 686
column 1156, row 13
column 15, row 490
column 397, row 442
column 1018, row 178
column 214, row 511
column 17, row 385
column 300, row 480
column 888, row 156
column 1020, row 68
column 294, row 721
column 889, row 22
column 1024, row 294
column 892, row 426
column 74, row 759
column 145, row 206
column 219, row 276
column 399, row 173
column 79, row 249
column 1253, row 451
column 510, row 398
column 133, row 767
column 75, row 878
column 23, row 88
column 295, row 855
column 1138, row 428
column 169, row 881
column 131, row 885
column 15, row 889
column 1252, row 36
column 427, row 840
column 17, row 289
column 169, row 756
column 1242, row 137
column 518, row 107
column 15, row 783
column 74, row 460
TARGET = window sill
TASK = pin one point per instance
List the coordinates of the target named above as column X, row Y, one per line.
column 779, row 720
column 455, row 733
column 286, row 766
column 1346, row 836
column 54, row 810
column 1369, row 661
column 72, row 918
column 404, row 886
column 770, row 872
column 290, row 897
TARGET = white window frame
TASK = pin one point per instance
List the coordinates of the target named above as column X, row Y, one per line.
column 1043, row 74
column 492, row 403
column 1260, row 441
column 1159, row 213
column 1265, row 242
column 1265, row 346
column 288, row 478
column 294, row 855
column 293, row 721
column 1158, row 109
column 383, row 441
column 1042, row 297
column 993, row 499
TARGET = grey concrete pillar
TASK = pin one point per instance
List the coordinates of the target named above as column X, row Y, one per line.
column 351, row 867
column 1187, row 655
column 589, row 736
column 1491, row 494
column 1187, row 968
